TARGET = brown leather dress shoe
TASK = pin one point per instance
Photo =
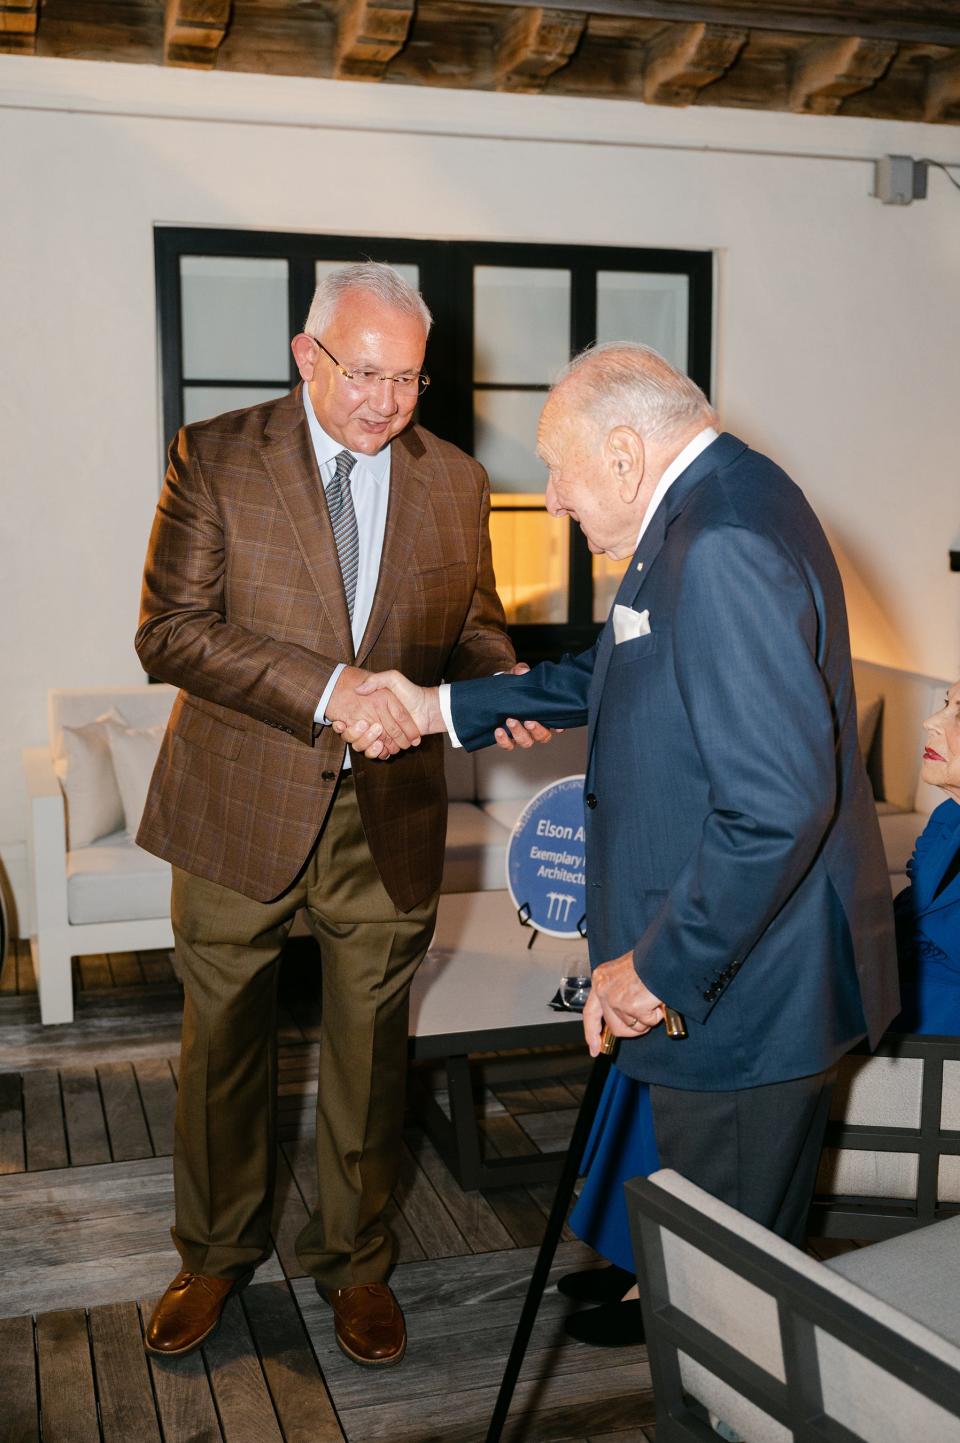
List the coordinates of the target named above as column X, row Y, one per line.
column 188, row 1312
column 369, row 1324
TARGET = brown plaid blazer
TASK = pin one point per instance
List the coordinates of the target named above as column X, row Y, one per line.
column 243, row 609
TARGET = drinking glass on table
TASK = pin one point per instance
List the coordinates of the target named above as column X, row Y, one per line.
column 575, row 987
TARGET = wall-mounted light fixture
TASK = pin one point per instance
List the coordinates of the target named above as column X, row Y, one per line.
column 900, row 179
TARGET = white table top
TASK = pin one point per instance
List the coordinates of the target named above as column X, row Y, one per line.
column 478, row 974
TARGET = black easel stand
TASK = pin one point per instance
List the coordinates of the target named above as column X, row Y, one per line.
column 555, row 1222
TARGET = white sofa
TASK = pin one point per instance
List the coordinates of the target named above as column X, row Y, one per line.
column 112, row 896
column 901, row 700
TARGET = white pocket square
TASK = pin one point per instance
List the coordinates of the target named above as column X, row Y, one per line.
column 628, row 623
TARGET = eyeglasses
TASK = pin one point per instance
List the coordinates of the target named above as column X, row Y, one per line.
column 407, row 381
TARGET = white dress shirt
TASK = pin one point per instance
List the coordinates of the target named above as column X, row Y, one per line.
column 677, row 466
column 370, row 489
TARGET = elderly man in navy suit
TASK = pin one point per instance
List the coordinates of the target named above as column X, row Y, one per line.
column 734, row 864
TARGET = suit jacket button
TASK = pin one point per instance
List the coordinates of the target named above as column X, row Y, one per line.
column 590, row 800
column 328, row 776
column 708, row 995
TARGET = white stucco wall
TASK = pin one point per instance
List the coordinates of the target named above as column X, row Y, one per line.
column 836, row 316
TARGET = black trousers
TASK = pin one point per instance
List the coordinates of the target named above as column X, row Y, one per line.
column 757, row 1148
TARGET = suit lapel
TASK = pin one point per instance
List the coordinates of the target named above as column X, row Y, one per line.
column 291, row 464
column 409, row 490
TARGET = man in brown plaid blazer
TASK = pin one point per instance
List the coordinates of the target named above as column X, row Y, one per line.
column 297, row 543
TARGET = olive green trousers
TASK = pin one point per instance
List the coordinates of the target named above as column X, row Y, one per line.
column 225, row 1142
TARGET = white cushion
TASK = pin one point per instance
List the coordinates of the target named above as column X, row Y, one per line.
column 116, row 881
column 506, row 813
column 85, row 769
column 868, row 715
column 134, row 751
column 142, row 706
column 900, row 831
column 475, row 858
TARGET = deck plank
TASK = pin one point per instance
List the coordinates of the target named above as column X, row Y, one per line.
column 83, row 1111
column 67, row 1397
column 300, row 1396
column 156, row 966
column 243, row 1399
column 127, row 1410
column 26, row 976
column 126, row 1124
column 290, row 1216
column 18, row 1382
column 95, row 972
column 182, row 1389
column 158, row 1094
column 12, row 1157
column 43, row 1120
column 125, row 969
column 420, row 1204
column 471, row 1212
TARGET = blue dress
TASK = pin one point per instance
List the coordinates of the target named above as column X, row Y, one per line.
column 621, row 1145
column 928, row 929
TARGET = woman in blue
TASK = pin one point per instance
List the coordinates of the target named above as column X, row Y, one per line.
column 928, row 910
column 621, row 1146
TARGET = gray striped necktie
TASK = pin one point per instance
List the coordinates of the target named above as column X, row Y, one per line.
column 343, row 519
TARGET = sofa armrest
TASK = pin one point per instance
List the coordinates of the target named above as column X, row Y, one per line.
column 46, row 839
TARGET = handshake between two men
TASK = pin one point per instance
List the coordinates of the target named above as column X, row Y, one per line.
column 382, row 713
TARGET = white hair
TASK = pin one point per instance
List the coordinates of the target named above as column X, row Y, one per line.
column 379, row 280
column 623, row 383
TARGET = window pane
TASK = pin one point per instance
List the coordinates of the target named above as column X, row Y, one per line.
column 202, row 402
column 606, row 582
column 521, row 320
column 530, row 558
column 636, row 306
column 411, row 274
column 235, row 322
column 505, row 439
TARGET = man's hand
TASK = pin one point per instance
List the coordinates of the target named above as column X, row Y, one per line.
column 619, row 999
column 352, row 707
column 521, row 734
column 418, row 703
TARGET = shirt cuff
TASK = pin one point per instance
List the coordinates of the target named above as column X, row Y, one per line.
column 320, row 715
column 446, row 711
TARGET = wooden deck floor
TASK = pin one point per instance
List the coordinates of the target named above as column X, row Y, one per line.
column 86, row 1201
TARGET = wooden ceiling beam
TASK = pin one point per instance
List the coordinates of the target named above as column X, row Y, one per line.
column 941, row 101
column 534, row 45
column 369, row 34
column 682, row 60
column 825, row 72
column 193, row 32
column 18, row 27
column 914, row 22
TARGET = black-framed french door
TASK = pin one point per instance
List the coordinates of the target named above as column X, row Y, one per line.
column 507, row 317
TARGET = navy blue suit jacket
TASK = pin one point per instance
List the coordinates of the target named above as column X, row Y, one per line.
column 732, row 839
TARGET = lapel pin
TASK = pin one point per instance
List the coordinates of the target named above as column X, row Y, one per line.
column 639, row 565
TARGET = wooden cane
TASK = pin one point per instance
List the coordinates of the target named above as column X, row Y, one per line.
column 558, row 1216
column 675, row 1028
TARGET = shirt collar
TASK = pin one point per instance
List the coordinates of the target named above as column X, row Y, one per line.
column 677, row 466
column 377, row 467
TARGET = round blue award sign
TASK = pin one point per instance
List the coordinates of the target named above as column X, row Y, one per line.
column 546, row 860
